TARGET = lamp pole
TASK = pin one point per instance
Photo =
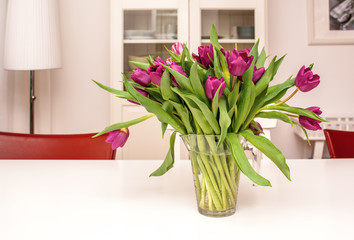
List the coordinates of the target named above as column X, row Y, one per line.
column 32, row 98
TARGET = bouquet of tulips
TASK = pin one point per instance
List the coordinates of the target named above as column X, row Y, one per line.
column 216, row 92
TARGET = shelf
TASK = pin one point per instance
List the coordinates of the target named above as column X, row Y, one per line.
column 166, row 14
column 149, row 41
column 231, row 40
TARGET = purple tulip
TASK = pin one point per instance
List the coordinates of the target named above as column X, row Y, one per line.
column 239, row 61
column 177, row 48
column 257, row 74
column 142, row 92
column 211, row 86
column 306, row 80
column 225, row 53
column 156, row 71
column 118, row 137
column 179, row 69
column 141, row 77
column 205, row 53
column 310, row 123
column 255, row 131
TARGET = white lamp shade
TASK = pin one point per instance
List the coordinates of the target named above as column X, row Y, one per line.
column 32, row 37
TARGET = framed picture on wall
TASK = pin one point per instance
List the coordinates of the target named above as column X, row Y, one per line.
column 330, row 21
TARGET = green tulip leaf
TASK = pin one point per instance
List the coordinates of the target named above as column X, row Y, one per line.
column 277, row 65
column 165, row 87
column 184, row 115
column 183, row 81
column 214, row 37
column 276, row 92
column 217, row 67
column 267, row 147
column 215, row 102
column 169, row 159
column 275, row 115
column 168, row 107
column 118, row 93
column 239, row 156
column 263, row 82
column 197, row 84
column 296, row 110
column 246, row 99
column 207, row 113
column 224, row 119
column 224, row 66
column 254, row 51
column 261, row 59
column 141, row 65
column 120, row 125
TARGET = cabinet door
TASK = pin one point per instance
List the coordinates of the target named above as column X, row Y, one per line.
column 239, row 22
column 139, row 29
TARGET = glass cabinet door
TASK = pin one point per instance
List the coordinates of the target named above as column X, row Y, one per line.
column 238, row 22
column 139, row 29
column 148, row 32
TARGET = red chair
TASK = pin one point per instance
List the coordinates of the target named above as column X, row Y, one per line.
column 340, row 143
column 54, row 146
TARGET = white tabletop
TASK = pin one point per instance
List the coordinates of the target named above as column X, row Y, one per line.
column 105, row 200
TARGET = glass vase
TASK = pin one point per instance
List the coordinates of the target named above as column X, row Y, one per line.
column 216, row 176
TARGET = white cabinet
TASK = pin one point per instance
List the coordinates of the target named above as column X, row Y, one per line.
column 140, row 28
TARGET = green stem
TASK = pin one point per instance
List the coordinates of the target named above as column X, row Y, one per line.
column 213, row 196
column 195, row 172
column 288, row 98
column 201, row 197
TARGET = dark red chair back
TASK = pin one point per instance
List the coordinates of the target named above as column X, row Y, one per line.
column 340, row 143
column 54, row 146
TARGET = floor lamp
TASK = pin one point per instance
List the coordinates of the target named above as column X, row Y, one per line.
column 32, row 40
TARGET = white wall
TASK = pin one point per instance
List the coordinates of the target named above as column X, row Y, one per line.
column 78, row 105
column 67, row 101
column 3, row 75
column 287, row 33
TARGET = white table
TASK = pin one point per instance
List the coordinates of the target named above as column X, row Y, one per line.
column 49, row 200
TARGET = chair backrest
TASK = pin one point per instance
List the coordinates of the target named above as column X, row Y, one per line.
column 54, row 146
column 340, row 143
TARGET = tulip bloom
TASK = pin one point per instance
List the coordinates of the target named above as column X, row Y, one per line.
column 255, row 131
column 118, row 137
column 310, row 123
column 177, row 48
column 257, row 74
column 238, row 62
column 306, row 80
column 156, row 71
column 211, row 86
column 205, row 53
column 142, row 92
column 141, row 77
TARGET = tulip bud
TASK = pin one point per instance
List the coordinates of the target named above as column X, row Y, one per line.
column 255, row 130
column 118, row 138
column 141, row 77
column 205, row 53
column 306, row 80
column 310, row 123
column 177, row 48
column 179, row 69
column 156, row 71
column 211, row 86
column 239, row 62
column 257, row 74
